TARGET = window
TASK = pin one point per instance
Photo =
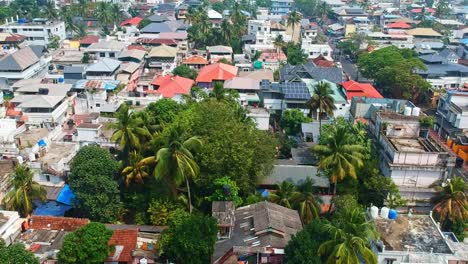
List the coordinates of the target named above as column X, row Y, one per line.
column 14, row 30
column 389, row 261
column 98, row 105
column 102, row 54
column 112, row 54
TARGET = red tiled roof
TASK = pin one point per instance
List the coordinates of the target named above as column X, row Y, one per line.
column 217, row 71
column 15, row 38
column 195, row 60
column 90, row 39
column 321, row 61
column 399, row 24
column 134, row 21
column 170, row 42
column 170, row 86
column 57, row 223
column 419, row 10
column 126, row 238
column 354, row 88
column 272, row 55
column 136, row 47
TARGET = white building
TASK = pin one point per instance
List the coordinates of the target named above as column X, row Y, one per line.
column 25, row 63
column 10, row 226
column 38, row 32
column 452, row 114
column 315, row 50
column 42, row 109
column 398, row 40
column 261, row 117
column 106, row 49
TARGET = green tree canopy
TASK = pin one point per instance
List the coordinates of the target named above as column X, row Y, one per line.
column 190, row 240
column 303, row 246
column 16, row 253
column 295, row 54
column 291, row 121
column 226, row 190
column 87, row 244
column 185, row 71
column 393, row 70
column 92, row 180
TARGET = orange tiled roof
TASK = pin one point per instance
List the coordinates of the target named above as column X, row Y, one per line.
column 126, row 238
column 399, row 24
column 170, row 86
column 217, row 71
column 57, row 223
column 195, row 60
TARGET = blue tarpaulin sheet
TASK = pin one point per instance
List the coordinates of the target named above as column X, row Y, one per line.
column 51, row 208
column 41, row 143
column 66, row 196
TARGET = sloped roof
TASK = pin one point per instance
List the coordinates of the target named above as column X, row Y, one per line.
column 243, row 83
column 431, row 58
column 399, row 24
column 124, row 241
column 133, row 53
column 90, row 39
column 19, row 60
column 163, row 51
column 134, row 21
column 104, row 65
column 57, row 223
column 158, row 18
column 10, row 37
column 419, row 10
column 212, row 14
column 425, row 32
column 195, row 60
column 310, row 71
column 354, row 88
column 161, row 41
column 170, row 86
column 217, row 71
column 129, row 67
column 219, row 49
column 174, row 35
column 265, row 74
column 40, row 101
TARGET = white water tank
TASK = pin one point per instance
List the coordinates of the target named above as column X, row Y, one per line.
column 408, row 110
column 20, row 159
column 416, row 111
column 384, row 212
column 374, row 212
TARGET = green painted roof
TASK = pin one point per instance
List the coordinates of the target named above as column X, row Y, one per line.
column 338, row 94
column 258, row 64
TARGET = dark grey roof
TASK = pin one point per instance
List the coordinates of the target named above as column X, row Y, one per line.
column 431, row 58
column 73, row 69
column 446, row 53
column 166, row 7
column 38, row 50
column 157, row 18
column 444, row 69
column 21, row 59
column 156, row 28
column 310, row 71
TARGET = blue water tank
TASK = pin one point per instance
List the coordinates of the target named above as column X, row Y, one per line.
column 392, row 214
column 61, row 80
column 21, row 21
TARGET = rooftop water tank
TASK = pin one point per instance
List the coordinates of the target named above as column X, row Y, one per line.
column 416, row 111
column 374, row 212
column 392, row 214
column 384, row 212
column 408, row 110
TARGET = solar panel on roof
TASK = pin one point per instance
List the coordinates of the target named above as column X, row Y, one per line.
column 295, row 90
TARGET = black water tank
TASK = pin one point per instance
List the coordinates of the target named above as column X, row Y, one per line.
column 459, row 162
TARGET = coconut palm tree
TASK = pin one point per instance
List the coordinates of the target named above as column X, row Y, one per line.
column 322, row 100
column 226, row 31
column 338, row 158
column 104, row 14
column 285, row 195
column 176, row 163
column 349, row 243
column 307, row 204
column 24, row 191
column 451, row 202
column 129, row 131
column 294, row 18
column 138, row 168
column 81, row 31
column 323, row 10
column 49, row 10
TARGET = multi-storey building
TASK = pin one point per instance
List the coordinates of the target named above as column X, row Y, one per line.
column 39, row 31
column 413, row 160
column 281, row 7
column 452, row 114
